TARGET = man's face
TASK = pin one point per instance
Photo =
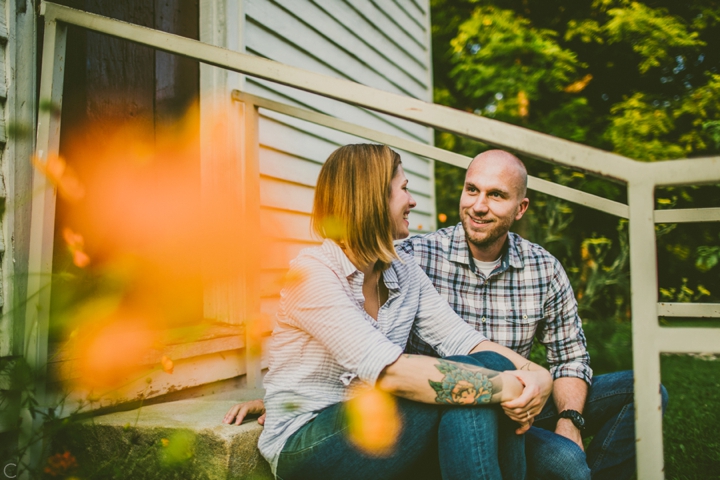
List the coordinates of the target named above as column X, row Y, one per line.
column 492, row 199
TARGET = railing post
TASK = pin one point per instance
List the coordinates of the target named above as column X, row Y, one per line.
column 250, row 172
column 42, row 230
column 646, row 356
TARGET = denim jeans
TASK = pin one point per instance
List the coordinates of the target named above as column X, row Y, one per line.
column 609, row 417
column 465, row 439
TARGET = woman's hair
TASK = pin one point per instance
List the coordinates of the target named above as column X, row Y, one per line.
column 351, row 203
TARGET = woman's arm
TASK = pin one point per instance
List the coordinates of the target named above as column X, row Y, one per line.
column 435, row 380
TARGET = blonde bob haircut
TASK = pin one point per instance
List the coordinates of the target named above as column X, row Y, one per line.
column 352, row 201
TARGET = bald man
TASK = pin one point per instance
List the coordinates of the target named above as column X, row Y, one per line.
column 512, row 291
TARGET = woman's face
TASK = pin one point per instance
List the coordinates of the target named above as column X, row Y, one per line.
column 400, row 204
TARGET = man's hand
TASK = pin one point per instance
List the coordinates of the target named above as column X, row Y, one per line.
column 567, row 429
column 538, row 387
column 237, row 413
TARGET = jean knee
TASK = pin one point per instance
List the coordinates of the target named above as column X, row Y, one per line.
column 574, row 465
column 493, row 361
column 553, row 456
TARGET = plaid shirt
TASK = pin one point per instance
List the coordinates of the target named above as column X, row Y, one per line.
column 528, row 295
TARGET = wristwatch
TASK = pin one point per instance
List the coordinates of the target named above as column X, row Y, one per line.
column 575, row 417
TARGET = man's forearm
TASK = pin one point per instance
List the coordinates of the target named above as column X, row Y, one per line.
column 569, row 393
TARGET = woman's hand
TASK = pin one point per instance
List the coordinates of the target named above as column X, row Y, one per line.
column 538, row 387
column 237, row 413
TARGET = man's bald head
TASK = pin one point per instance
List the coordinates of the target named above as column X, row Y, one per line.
column 514, row 167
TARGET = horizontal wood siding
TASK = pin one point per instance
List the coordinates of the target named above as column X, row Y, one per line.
column 383, row 44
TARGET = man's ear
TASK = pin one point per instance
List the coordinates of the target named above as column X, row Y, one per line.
column 522, row 208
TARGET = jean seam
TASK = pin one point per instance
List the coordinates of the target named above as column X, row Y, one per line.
column 309, row 447
column 608, row 438
column 480, row 466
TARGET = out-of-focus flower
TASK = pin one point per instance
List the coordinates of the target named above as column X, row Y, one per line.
column 61, row 176
column 76, row 244
column 165, row 442
column 60, row 464
column 113, row 347
column 374, row 422
column 167, row 364
column 442, row 217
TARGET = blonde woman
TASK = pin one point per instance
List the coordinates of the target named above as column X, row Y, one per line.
column 344, row 320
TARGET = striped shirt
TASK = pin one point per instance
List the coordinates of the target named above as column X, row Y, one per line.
column 324, row 343
column 528, row 295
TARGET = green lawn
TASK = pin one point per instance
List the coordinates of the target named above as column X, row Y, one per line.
column 692, row 421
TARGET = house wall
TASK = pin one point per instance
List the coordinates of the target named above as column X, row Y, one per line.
column 383, row 44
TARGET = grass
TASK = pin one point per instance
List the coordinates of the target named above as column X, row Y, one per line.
column 691, row 428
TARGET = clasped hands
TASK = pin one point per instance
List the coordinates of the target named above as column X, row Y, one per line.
column 537, row 387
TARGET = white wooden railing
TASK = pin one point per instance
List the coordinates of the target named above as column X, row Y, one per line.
column 649, row 338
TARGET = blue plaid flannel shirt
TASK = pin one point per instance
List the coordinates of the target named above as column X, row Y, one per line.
column 528, row 295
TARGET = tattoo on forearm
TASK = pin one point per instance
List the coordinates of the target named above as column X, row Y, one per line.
column 464, row 384
column 525, row 367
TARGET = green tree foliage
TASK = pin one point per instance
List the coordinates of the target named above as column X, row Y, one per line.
column 637, row 78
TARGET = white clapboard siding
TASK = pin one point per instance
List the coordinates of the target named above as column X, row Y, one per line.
column 415, row 166
column 380, row 43
column 376, row 121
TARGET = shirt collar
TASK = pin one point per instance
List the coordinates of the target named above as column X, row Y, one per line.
column 348, row 269
column 459, row 252
column 334, row 251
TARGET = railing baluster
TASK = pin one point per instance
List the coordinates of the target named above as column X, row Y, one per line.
column 250, row 171
column 646, row 357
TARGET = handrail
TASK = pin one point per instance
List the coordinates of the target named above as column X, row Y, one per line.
column 429, row 151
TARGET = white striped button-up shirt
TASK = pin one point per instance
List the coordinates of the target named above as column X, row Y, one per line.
column 325, row 343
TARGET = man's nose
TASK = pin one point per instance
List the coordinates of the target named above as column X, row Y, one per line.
column 480, row 204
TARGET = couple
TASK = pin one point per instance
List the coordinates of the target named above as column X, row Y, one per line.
column 356, row 303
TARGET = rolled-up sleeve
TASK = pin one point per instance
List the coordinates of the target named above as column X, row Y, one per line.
column 563, row 334
column 438, row 325
column 318, row 305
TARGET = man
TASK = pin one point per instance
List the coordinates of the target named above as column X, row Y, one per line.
column 512, row 291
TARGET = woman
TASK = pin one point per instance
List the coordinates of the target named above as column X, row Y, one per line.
column 344, row 319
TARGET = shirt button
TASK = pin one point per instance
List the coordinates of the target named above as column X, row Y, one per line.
column 483, row 319
column 524, row 317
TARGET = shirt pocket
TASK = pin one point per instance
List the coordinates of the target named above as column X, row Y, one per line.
column 521, row 314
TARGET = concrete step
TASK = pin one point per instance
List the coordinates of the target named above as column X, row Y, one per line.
column 184, row 439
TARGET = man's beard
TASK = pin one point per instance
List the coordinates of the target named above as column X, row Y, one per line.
column 493, row 236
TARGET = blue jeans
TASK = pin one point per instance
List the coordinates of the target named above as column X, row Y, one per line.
column 465, row 439
column 609, row 416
